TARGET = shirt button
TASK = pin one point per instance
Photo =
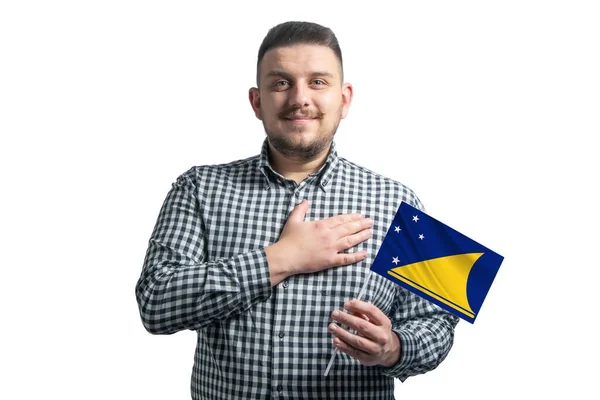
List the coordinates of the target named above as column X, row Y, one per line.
column 297, row 194
column 279, row 388
column 281, row 335
column 286, row 284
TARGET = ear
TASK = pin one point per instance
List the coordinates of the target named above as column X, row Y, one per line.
column 254, row 97
column 347, row 93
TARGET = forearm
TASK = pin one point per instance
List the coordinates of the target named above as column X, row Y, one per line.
column 174, row 295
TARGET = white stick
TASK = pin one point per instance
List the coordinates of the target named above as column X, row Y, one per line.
column 360, row 295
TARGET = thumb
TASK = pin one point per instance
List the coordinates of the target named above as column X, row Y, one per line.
column 299, row 212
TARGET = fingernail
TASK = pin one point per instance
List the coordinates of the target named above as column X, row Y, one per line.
column 335, row 314
column 333, row 327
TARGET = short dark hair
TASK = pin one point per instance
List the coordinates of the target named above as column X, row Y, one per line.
column 298, row 32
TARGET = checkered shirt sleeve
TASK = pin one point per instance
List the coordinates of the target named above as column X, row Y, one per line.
column 180, row 288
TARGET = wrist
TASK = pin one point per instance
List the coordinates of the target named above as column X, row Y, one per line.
column 394, row 353
column 279, row 262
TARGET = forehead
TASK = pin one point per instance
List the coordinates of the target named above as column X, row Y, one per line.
column 300, row 59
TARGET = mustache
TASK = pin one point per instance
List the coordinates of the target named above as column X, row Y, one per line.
column 298, row 112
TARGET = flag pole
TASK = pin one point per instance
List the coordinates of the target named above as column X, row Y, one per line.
column 360, row 295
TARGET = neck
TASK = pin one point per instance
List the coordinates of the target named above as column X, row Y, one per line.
column 294, row 169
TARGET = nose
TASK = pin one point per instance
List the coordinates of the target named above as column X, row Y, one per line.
column 299, row 96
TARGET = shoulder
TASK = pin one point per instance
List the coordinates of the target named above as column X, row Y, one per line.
column 213, row 174
column 379, row 183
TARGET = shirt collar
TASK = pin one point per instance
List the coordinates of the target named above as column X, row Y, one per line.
column 324, row 174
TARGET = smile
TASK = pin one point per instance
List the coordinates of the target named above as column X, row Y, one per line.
column 300, row 121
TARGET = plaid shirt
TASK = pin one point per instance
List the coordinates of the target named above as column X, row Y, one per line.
column 206, row 270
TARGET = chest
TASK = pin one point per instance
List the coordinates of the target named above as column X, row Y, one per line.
column 243, row 219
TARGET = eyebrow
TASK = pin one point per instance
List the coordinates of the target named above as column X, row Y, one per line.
column 277, row 73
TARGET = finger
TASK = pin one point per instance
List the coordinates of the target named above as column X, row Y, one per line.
column 361, row 315
column 364, row 358
column 359, row 325
column 337, row 220
column 375, row 315
column 352, row 240
column 351, row 227
column 348, row 258
column 299, row 212
column 358, row 342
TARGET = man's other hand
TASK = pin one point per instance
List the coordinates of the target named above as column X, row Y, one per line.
column 374, row 342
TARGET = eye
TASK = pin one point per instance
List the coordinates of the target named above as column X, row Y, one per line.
column 318, row 82
column 281, row 83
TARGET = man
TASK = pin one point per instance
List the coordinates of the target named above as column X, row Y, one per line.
column 261, row 256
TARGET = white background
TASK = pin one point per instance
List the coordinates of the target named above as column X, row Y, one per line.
column 488, row 110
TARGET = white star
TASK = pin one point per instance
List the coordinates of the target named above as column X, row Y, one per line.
column 415, row 218
column 421, row 236
column 395, row 261
column 397, row 229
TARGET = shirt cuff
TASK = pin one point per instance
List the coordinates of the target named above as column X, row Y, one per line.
column 408, row 351
column 254, row 277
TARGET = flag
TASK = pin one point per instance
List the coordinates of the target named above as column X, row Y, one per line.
column 437, row 262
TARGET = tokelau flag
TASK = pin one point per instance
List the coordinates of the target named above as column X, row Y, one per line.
column 437, row 262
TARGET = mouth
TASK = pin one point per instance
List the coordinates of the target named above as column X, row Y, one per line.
column 300, row 119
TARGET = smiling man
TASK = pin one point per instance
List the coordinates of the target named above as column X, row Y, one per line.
column 301, row 101
column 262, row 256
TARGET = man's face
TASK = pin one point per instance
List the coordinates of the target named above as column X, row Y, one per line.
column 300, row 99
